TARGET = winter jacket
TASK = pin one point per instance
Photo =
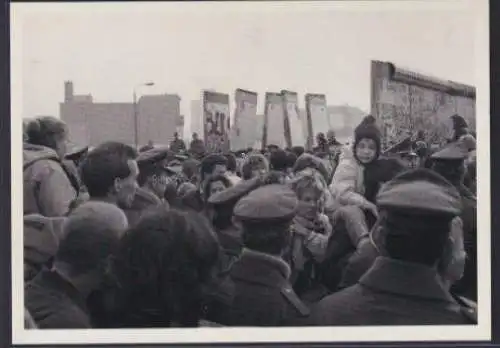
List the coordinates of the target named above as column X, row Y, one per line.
column 308, row 249
column 41, row 241
column 391, row 292
column 47, row 189
column 355, row 184
column 197, row 147
column 177, row 145
column 258, row 293
column 467, row 286
column 348, row 181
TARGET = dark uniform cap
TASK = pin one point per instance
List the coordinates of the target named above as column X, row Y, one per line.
column 236, row 192
column 454, row 151
column 420, row 190
column 153, row 155
column 181, row 157
column 174, row 167
column 407, row 153
column 75, row 152
column 274, row 202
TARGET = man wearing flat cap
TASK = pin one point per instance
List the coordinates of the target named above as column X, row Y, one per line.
column 422, row 254
column 450, row 163
column 261, row 292
column 220, row 208
column 154, row 175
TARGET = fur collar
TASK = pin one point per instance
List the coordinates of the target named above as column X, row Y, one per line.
column 274, row 261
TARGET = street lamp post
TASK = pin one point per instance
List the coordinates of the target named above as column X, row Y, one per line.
column 136, row 113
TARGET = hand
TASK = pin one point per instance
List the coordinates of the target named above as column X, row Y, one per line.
column 372, row 208
column 300, row 230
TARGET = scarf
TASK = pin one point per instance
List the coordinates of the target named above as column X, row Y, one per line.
column 305, row 222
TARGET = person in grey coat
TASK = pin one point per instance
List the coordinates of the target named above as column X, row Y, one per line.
column 417, row 241
column 47, row 188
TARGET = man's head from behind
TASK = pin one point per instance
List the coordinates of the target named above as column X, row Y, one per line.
column 450, row 162
column 417, row 208
column 92, row 233
column 110, row 173
column 265, row 215
column 231, row 162
column 279, row 160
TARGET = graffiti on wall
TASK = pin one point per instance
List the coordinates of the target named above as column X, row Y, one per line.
column 404, row 107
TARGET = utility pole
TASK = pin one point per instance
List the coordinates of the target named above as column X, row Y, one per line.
column 136, row 130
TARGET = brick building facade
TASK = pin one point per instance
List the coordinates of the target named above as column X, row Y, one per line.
column 91, row 123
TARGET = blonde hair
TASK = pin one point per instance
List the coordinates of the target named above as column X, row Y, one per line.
column 304, row 183
column 253, row 162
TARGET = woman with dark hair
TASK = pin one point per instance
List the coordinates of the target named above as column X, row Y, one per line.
column 460, row 127
column 48, row 189
column 215, row 184
column 161, row 267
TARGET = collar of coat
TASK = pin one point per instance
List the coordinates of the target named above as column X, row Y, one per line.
column 51, row 281
column 405, row 278
column 269, row 268
column 145, row 196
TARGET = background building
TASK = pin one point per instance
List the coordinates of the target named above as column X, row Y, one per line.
column 196, row 119
column 91, row 123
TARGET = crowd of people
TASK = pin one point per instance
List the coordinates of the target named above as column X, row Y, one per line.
column 157, row 236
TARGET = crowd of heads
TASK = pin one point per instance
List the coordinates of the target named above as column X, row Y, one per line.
column 153, row 233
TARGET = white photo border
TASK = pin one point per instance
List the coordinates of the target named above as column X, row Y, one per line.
column 480, row 332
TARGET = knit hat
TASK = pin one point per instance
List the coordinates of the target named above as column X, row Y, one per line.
column 310, row 161
column 420, row 190
column 368, row 129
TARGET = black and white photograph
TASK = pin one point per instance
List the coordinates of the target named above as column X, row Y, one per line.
column 256, row 172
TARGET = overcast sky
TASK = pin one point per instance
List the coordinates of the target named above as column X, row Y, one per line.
column 315, row 47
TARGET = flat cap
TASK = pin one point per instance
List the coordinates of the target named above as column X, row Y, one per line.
column 274, row 202
column 174, row 167
column 153, row 155
column 407, row 153
column 236, row 192
column 453, row 151
column 420, row 190
column 75, row 151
